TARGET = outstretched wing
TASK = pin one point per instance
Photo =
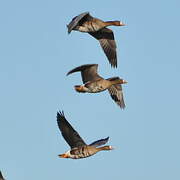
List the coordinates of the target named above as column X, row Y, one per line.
column 76, row 20
column 105, row 37
column 99, row 142
column 117, row 95
column 1, row 176
column 70, row 135
column 88, row 72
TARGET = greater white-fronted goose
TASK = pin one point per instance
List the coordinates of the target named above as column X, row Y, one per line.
column 97, row 28
column 79, row 149
column 93, row 83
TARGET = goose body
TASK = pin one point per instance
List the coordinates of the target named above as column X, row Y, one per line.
column 79, row 149
column 98, row 29
column 83, row 151
column 94, row 83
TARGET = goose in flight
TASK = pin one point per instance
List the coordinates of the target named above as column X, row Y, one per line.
column 79, row 149
column 98, row 29
column 93, row 83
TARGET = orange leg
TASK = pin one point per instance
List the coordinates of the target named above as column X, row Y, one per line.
column 63, row 156
column 80, row 89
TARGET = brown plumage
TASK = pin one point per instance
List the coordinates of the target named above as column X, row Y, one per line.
column 97, row 28
column 79, row 149
column 93, row 83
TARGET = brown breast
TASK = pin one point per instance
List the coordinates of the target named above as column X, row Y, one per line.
column 98, row 86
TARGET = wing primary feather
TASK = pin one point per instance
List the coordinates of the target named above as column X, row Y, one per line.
column 81, row 68
column 116, row 94
column 106, row 39
column 99, row 142
column 68, row 132
column 1, row 176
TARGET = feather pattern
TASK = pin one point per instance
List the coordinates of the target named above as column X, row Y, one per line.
column 70, row 135
column 76, row 20
column 105, row 37
column 88, row 72
column 116, row 94
column 99, row 142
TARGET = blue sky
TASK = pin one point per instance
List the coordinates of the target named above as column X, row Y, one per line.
column 36, row 53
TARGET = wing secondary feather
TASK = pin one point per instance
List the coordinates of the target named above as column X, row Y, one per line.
column 75, row 21
column 88, row 72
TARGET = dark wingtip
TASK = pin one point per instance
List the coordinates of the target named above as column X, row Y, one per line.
column 121, row 105
column 114, row 63
column 107, row 139
column 80, row 68
column 60, row 114
column 113, row 66
column 68, row 73
column 69, row 31
column 1, row 176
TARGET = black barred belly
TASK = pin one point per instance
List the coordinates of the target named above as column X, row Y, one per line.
column 81, row 152
column 95, row 87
